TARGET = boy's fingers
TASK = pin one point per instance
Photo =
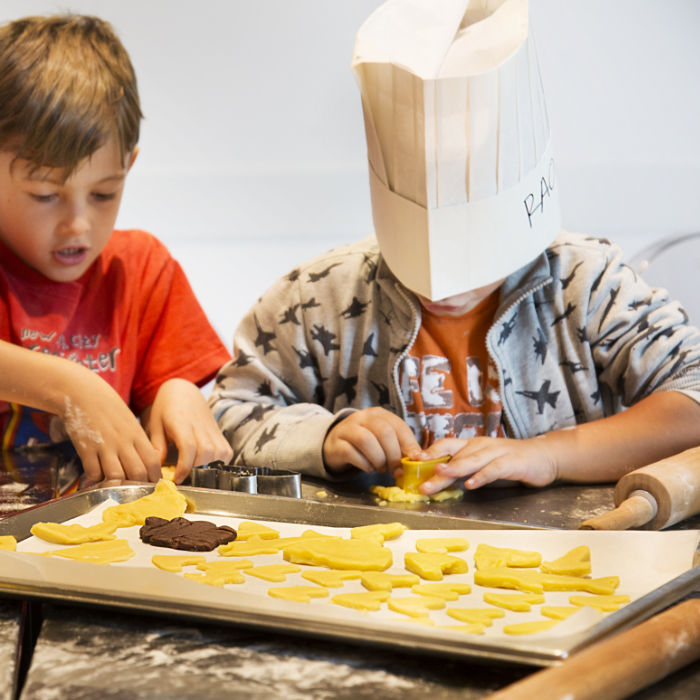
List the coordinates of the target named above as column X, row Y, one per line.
column 91, row 466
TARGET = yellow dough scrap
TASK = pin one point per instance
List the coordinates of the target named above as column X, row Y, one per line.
column 98, row 552
column 604, row 603
column 518, row 602
column 576, row 562
column 225, row 567
column 433, row 566
column 371, row 600
column 257, row 545
column 536, row 581
column 530, row 627
column 340, row 554
column 378, row 532
column 381, row 581
column 247, row 529
column 216, row 578
column 476, row 616
column 274, row 572
column 58, row 533
column 298, row 594
column 467, row 629
column 175, row 562
column 442, row 545
column 559, row 612
column 448, row 591
column 330, row 578
column 488, row 557
column 167, row 472
column 165, row 502
column 395, row 494
column 8, row 543
column 416, row 606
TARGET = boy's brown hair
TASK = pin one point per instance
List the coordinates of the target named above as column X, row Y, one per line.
column 66, row 86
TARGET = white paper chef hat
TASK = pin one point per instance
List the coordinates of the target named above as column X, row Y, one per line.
column 461, row 175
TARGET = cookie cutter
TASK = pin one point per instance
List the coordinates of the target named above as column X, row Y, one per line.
column 237, row 479
column 273, row 482
column 206, row 475
column 279, row 482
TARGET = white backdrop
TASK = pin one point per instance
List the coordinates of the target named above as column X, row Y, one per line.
column 252, row 150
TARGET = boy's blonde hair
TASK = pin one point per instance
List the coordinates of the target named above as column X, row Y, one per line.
column 66, row 87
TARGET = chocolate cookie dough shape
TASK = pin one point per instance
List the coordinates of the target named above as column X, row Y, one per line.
column 181, row 533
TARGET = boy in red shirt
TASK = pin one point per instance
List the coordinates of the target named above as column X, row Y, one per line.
column 116, row 331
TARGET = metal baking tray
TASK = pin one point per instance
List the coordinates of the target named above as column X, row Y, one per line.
column 412, row 638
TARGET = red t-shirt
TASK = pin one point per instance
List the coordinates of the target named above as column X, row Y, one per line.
column 132, row 318
column 448, row 382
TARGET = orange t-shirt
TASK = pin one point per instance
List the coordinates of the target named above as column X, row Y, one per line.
column 448, row 383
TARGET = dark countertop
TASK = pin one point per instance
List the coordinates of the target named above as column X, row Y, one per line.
column 91, row 652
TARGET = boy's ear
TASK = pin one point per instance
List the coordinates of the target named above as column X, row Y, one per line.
column 132, row 158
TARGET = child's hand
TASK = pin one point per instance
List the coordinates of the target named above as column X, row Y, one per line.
column 485, row 460
column 179, row 414
column 106, row 434
column 373, row 440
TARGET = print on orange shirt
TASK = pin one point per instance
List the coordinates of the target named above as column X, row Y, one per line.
column 447, row 381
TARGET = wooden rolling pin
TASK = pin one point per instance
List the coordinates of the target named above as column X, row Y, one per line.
column 655, row 496
column 617, row 667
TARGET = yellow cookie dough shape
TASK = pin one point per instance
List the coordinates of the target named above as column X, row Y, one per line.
column 559, row 612
column 467, row 629
column 488, row 557
column 433, row 566
column 442, row 545
column 416, row 605
column 298, row 594
column 107, row 552
column 371, row 600
column 448, row 591
column 381, row 581
column 517, row 602
column 274, row 572
column 175, row 562
column 530, row 627
column 576, row 562
column 395, row 494
column 603, row 603
column 378, row 532
column 330, row 578
column 340, row 554
column 58, row 533
column 536, row 581
column 8, row 543
column 476, row 616
column 247, row 529
column 257, row 545
column 216, row 578
column 225, row 567
column 165, row 502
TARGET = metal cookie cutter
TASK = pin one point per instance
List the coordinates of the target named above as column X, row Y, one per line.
column 279, row 482
column 238, row 479
column 206, row 475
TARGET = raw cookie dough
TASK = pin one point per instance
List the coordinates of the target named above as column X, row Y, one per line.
column 181, row 533
column 337, row 553
column 395, row 494
column 381, row 581
column 298, row 594
column 476, row 616
column 8, row 543
column 371, row 600
column 576, row 562
column 248, row 529
column 517, row 602
column 416, row 606
column 58, row 533
column 216, row 578
column 530, row 627
column 488, row 557
column 257, row 545
column 442, row 545
column 175, row 562
column 433, row 566
column 378, row 532
column 603, row 603
column 467, row 629
column 559, row 612
column 330, row 578
column 448, row 591
column 165, row 502
column 536, row 581
column 274, row 572
column 106, row 552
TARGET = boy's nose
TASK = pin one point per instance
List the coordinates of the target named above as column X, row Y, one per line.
column 75, row 223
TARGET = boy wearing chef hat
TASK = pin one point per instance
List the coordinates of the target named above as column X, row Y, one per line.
column 98, row 328
column 471, row 326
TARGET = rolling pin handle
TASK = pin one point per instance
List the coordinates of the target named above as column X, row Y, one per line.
column 638, row 509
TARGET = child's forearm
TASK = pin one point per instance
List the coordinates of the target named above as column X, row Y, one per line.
column 663, row 424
